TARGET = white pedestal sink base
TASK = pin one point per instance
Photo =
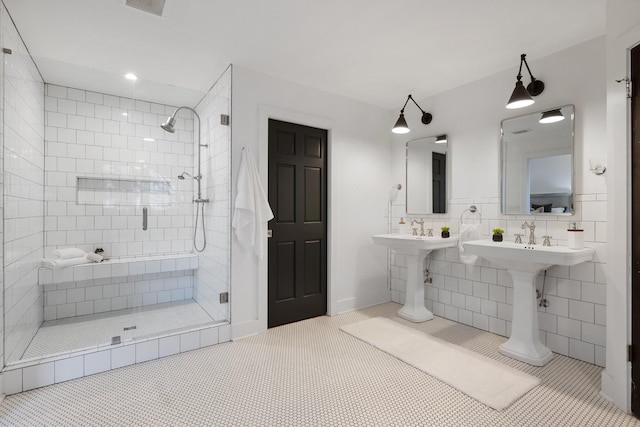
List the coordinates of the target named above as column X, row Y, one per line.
column 528, row 357
column 414, row 309
column 524, row 343
column 415, row 249
column 524, row 262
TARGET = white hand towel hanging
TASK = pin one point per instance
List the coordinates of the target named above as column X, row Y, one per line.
column 468, row 232
column 251, row 208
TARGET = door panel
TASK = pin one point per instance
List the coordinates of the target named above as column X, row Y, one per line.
column 286, row 193
column 286, row 262
column 298, row 248
column 312, row 266
column 312, row 195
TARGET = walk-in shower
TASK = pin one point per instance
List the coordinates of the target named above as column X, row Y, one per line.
column 93, row 170
column 169, row 127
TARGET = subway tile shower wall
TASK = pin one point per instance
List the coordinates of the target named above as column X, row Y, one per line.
column 482, row 295
column 91, row 134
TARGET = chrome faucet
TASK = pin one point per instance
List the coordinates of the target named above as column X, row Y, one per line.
column 421, row 222
column 532, row 229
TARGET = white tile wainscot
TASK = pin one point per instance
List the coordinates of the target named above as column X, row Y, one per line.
column 117, row 284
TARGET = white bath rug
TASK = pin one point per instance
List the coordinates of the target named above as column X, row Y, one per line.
column 486, row 380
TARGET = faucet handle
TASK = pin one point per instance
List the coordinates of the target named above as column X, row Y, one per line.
column 546, row 241
column 429, row 232
column 518, row 238
column 415, row 231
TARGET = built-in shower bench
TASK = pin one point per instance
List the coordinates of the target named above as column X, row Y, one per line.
column 118, row 267
column 117, row 284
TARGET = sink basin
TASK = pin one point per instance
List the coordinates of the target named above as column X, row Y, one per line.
column 524, row 263
column 527, row 257
column 415, row 249
column 407, row 242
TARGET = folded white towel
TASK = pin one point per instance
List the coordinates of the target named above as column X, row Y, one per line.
column 58, row 263
column 67, row 253
column 468, row 232
column 95, row 257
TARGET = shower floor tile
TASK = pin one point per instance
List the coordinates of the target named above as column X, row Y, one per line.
column 80, row 332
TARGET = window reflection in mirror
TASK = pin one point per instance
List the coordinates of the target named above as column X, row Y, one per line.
column 537, row 163
column 427, row 175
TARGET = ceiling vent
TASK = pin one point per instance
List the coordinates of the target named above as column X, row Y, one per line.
column 154, row 7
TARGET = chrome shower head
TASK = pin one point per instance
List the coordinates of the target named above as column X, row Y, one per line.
column 168, row 126
column 184, row 174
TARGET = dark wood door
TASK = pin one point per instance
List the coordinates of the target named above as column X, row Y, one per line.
column 635, row 231
column 298, row 247
column 439, row 176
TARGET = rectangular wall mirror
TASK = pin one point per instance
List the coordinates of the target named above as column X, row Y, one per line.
column 427, row 175
column 537, row 163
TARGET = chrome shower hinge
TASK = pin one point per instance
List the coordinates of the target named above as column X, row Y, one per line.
column 224, row 297
column 7, row 50
column 224, row 119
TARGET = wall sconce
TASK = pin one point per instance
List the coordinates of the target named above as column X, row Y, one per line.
column 401, row 125
column 522, row 97
column 551, row 116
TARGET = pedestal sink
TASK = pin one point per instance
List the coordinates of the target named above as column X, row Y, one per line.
column 415, row 249
column 524, row 262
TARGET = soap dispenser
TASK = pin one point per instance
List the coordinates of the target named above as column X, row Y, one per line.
column 403, row 228
column 575, row 237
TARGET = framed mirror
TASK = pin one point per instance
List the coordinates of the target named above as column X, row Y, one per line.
column 537, row 163
column 426, row 169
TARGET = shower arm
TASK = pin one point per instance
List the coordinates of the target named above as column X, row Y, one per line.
column 199, row 175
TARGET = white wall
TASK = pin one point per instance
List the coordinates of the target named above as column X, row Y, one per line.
column 358, row 163
column 23, row 179
column 623, row 33
column 574, row 323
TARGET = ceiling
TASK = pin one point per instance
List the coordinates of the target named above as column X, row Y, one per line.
column 375, row 51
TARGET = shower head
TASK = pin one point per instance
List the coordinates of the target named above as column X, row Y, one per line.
column 168, row 126
column 183, row 174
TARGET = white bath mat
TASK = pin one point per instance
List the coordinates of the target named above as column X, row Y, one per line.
column 486, row 380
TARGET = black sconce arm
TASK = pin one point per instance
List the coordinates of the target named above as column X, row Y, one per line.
column 534, row 88
column 426, row 117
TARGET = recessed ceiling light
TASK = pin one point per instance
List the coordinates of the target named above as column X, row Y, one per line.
column 148, row 139
column 125, row 114
column 131, row 76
